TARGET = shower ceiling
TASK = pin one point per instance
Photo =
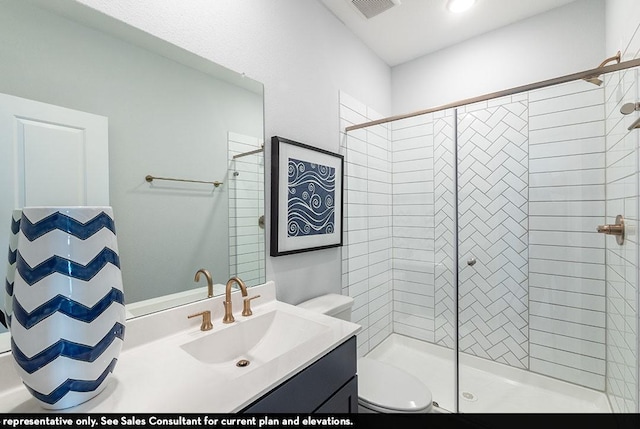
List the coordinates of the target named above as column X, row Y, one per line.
column 417, row 27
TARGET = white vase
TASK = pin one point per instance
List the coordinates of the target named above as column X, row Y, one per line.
column 7, row 295
column 68, row 321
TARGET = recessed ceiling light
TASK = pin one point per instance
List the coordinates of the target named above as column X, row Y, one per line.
column 457, row 6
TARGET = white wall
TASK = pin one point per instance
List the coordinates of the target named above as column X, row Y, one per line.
column 622, row 26
column 559, row 42
column 304, row 56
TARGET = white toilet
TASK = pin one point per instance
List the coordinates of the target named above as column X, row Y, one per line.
column 382, row 388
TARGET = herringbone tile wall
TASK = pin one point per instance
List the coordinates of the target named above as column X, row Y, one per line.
column 493, row 228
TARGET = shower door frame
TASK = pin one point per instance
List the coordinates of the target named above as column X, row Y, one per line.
column 516, row 90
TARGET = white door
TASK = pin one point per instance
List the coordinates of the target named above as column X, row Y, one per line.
column 49, row 156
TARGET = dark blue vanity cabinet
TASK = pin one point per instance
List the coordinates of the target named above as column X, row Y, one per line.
column 329, row 385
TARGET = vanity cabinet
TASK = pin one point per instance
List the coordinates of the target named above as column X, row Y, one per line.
column 329, row 385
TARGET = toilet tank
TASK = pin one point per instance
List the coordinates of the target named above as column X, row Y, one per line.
column 331, row 304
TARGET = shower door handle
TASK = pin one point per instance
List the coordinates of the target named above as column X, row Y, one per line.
column 471, row 262
column 616, row 229
column 611, row 229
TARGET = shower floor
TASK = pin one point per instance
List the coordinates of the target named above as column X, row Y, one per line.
column 485, row 386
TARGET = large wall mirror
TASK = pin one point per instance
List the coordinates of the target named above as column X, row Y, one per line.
column 171, row 114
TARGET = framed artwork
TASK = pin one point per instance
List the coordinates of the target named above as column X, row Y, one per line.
column 306, row 197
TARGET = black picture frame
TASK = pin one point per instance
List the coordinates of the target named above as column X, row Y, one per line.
column 306, row 198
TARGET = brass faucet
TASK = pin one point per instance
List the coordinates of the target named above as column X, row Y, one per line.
column 209, row 281
column 228, row 311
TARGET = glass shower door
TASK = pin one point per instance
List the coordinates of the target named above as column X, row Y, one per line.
column 537, row 173
column 493, row 193
column 423, row 249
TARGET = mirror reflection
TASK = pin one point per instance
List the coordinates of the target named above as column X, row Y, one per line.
column 170, row 114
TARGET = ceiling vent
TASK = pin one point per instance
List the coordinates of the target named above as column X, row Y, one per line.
column 371, row 8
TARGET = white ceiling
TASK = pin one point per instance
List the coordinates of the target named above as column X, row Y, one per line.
column 418, row 27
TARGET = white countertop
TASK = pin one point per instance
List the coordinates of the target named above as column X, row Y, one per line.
column 155, row 375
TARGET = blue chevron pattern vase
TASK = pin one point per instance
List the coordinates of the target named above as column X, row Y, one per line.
column 5, row 317
column 68, row 321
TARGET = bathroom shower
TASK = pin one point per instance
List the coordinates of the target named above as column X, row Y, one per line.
column 498, row 287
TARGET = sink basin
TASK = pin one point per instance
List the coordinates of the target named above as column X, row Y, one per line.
column 257, row 339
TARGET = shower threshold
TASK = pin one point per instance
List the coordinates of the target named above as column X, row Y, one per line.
column 486, row 387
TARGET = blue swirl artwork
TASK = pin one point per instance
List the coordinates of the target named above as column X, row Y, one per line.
column 311, row 200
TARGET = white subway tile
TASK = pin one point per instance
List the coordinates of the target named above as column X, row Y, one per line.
column 567, row 328
column 413, row 188
column 421, row 176
column 568, row 193
column 565, row 253
column 379, row 164
column 568, row 269
column 570, row 374
column 567, row 178
column 420, row 152
column 419, row 322
column 565, row 223
column 378, row 152
column 567, row 132
column 568, row 299
column 412, row 132
column 423, row 210
column 567, row 117
column 419, row 232
column 418, row 142
column 571, row 284
column 413, row 165
column 564, row 163
column 572, row 360
column 568, row 314
column 567, row 208
column 408, row 199
column 540, row 103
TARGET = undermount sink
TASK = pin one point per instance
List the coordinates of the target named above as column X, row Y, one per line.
column 255, row 340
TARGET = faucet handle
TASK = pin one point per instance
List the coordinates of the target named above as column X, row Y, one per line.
column 246, row 307
column 206, row 320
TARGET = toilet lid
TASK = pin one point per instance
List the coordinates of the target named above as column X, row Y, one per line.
column 388, row 387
